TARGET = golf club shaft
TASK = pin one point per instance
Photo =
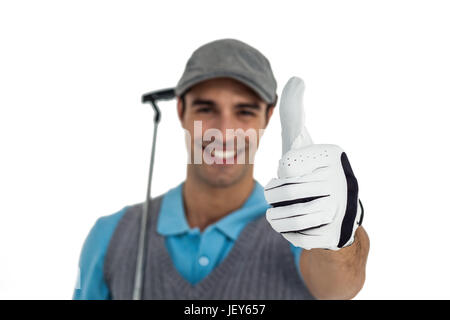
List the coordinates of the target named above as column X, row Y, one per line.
column 140, row 265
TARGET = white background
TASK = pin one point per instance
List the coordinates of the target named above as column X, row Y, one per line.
column 75, row 138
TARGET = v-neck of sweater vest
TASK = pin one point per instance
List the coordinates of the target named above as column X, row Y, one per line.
column 224, row 269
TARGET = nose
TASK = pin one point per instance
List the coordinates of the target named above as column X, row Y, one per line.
column 225, row 121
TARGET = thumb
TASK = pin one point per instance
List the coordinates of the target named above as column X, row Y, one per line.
column 292, row 115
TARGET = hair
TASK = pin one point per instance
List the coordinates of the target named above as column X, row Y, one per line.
column 268, row 105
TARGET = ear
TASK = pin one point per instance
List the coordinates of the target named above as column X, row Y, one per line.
column 269, row 114
column 180, row 110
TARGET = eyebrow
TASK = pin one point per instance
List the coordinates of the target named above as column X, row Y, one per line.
column 254, row 106
column 203, row 102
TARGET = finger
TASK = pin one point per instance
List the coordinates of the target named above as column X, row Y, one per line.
column 316, row 175
column 303, row 209
column 292, row 116
column 307, row 241
column 300, row 222
column 297, row 193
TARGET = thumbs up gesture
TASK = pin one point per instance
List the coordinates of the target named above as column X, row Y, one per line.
column 314, row 200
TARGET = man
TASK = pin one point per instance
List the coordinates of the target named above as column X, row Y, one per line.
column 209, row 237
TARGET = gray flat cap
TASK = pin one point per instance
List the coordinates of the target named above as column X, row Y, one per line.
column 234, row 59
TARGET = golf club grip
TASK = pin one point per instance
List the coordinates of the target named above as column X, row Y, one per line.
column 164, row 94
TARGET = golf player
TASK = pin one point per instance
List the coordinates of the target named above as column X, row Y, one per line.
column 220, row 234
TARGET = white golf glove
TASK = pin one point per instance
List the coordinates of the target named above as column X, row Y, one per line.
column 315, row 200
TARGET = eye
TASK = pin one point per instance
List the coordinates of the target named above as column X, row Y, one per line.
column 246, row 113
column 204, row 110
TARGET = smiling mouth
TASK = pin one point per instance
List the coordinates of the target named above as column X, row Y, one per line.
column 224, row 154
column 227, row 156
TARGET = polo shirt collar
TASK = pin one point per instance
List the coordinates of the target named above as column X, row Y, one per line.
column 172, row 218
column 255, row 205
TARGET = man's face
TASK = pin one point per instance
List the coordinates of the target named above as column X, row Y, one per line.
column 224, row 119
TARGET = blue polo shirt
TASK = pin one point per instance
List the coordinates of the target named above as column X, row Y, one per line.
column 194, row 253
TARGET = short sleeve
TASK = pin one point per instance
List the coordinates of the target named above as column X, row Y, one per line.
column 91, row 284
column 297, row 251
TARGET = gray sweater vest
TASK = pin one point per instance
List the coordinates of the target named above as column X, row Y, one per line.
column 259, row 266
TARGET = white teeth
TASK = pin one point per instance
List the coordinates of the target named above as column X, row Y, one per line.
column 224, row 154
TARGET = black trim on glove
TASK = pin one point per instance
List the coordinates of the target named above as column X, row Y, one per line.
column 352, row 202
